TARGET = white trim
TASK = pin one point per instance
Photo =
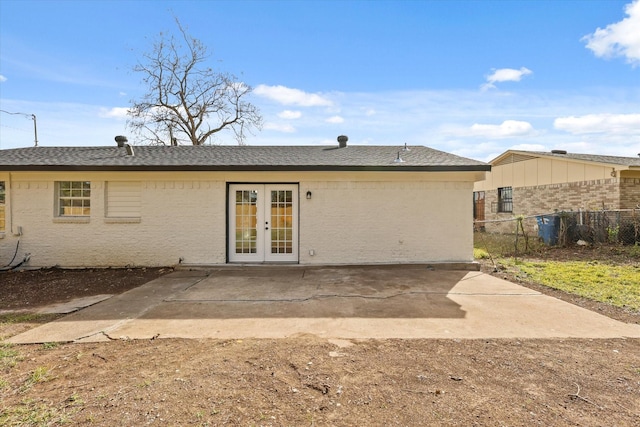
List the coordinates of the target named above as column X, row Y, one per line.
column 72, row 219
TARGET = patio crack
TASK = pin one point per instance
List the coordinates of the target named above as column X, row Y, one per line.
column 313, row 297
column 369, row 297
column 105, row 332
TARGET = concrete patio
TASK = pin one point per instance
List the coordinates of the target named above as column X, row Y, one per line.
column 354, row 302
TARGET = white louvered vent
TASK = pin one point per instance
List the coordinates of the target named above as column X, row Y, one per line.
column 514, row 158
column 124, row 199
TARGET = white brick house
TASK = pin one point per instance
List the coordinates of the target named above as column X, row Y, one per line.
column 158, row 206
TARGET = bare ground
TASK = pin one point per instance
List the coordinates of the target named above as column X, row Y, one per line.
column 305, row 380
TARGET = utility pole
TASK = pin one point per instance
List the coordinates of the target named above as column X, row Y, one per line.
column 35, row 129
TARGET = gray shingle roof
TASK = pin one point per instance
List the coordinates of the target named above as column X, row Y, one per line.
column 615, row 160
column 227, row 157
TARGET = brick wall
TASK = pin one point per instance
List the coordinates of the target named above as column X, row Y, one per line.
column 386, row 222
column 351, row 218
column 629, row 193
column 178, row 219
column 591, row 195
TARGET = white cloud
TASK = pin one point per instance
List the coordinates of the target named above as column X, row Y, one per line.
column 620, row 39
column 288, row 96
column 2, row 78
column 288, row 114
column 335, row 119
column 528, row 147
column 600, row 123
column 505, row 75
column 115, row 112
column 507, row 129
column 279, row 127
column 439, row 119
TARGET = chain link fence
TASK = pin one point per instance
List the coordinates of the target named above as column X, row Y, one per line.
column 526, row 233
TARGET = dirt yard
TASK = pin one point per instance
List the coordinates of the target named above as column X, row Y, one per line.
column 304, row 380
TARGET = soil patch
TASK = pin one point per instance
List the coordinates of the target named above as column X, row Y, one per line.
column 307, row 381
column 27, row 289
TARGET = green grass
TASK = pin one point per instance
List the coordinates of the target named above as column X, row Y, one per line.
column 505, row 244
column 612, row 280
column 39, row 375
column 34, row 413
column 33, row 319
column 18, row 318
column 9, row 356
column 618, row 285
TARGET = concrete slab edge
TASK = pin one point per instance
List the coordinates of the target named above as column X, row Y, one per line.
column 447, row 266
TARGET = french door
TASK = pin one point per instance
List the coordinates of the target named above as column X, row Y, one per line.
column 263, row 223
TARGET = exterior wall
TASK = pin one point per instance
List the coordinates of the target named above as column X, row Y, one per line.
column 590, row 195
column 386, row 222
column 357, row 217
column 541, row 171
column 630, row 190
column 544, row 199
column 181, row 216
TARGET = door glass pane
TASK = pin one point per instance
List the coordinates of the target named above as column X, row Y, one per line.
column 281, row 221
column 246, row 221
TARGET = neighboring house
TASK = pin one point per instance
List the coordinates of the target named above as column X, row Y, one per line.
column 157, row 205
column 532, row 183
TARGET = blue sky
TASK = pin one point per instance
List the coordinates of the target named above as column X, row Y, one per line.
column 474, row 78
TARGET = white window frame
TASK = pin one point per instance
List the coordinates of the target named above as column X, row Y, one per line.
column 77, row 191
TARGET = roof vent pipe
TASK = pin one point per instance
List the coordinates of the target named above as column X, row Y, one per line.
column 129, row 150
column 121, row 140
column 398, row 159
column 342, row 141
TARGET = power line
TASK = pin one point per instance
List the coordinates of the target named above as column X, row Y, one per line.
column 31, row 116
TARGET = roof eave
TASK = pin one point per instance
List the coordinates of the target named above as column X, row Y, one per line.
column 245, row 168
column 558, row 156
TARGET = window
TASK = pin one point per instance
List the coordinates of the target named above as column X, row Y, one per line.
column 505, row 199
column 2, row 206
column 478, row 205
column 74, row 198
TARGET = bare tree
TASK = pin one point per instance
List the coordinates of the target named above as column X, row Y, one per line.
column 186, row 99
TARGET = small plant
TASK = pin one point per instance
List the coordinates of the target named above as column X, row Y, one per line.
column 39, row 375
column 480, row 253
column 613, row 233
column 144, row 384
column 50, row 345
column 75, row 400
